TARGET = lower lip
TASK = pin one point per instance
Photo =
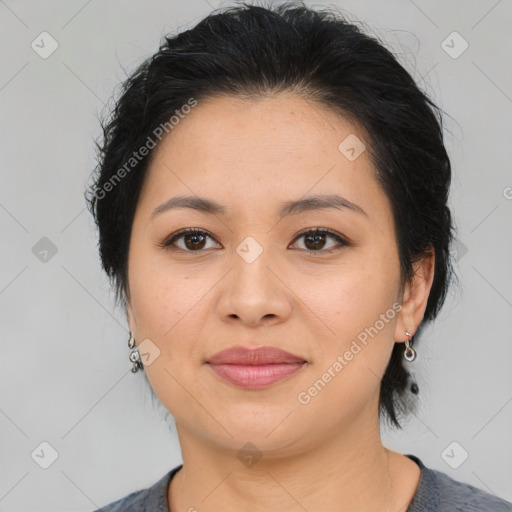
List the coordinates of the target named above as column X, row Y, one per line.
column 255, row 376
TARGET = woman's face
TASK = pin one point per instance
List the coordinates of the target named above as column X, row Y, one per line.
column 254, row 279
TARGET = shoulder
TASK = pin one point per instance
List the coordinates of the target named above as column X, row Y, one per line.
column 439, row 492
column 134, row 502
column 151, row 499
column 455, row 495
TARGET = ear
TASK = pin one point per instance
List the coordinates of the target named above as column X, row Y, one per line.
column 415, row 297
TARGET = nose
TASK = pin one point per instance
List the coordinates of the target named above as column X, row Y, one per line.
column 255, row 293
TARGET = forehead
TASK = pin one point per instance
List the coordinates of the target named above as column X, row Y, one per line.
column 262, row 149
column 273, row 125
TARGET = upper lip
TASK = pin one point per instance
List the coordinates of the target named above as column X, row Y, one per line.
column 254, row 356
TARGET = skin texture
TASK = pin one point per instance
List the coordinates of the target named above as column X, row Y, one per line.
column 250, row 156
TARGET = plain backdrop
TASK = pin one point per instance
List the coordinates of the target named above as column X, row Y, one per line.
column 67, row 397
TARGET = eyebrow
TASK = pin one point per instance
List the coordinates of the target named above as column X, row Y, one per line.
column 208, row 206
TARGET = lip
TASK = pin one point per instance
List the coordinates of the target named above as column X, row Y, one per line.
column 254, row 356
column 255, row 368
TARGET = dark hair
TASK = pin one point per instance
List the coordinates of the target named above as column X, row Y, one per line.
column 250, row 51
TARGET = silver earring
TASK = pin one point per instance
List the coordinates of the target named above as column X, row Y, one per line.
column 134, row 354
column 409, row 352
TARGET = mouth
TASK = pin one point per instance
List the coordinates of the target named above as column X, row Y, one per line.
column 255, row 368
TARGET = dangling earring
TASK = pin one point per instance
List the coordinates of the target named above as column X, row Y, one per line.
column 413, row 388
column 410, row 355
column 409, row 352
column 134, row 355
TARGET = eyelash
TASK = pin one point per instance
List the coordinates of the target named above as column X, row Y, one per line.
column 168, row 243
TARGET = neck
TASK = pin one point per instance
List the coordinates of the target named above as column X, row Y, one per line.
column 351, row 470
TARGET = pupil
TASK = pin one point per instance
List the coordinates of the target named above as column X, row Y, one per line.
column 319, row 240
column 194, row 236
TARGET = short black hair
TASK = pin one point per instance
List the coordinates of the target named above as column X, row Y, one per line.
column 251, row 51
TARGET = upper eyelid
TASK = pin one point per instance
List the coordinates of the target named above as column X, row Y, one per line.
column 188, row 231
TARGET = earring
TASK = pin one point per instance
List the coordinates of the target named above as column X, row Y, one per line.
column 410, row 355
column 409, row 352
column 413, row 388
column 134, row 355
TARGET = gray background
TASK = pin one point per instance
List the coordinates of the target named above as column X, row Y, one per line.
column 65, row 375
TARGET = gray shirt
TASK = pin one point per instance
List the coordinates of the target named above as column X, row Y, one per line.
column 436, row 492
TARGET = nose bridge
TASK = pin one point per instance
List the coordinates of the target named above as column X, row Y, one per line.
column 254, row 291
column 251, row 261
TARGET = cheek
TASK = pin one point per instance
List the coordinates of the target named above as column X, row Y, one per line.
column 152, row 307
column 162, row 307
column 166, row 310
column 352, row 297
column 169, row 304
column 358, row 305
column 159, row 293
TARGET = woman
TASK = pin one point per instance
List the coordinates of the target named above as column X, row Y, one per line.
column 271, row 198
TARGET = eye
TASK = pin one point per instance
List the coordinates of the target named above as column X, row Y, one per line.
column 193, row 238
column 315, row 240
